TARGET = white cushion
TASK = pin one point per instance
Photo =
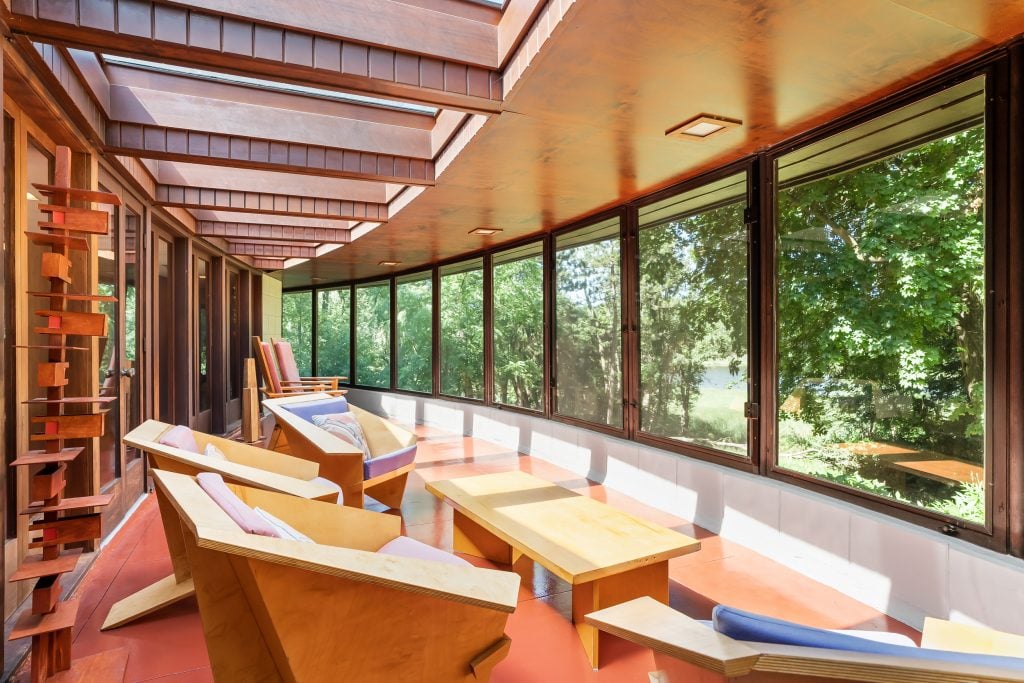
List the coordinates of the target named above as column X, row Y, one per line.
column 212, row 451
column 284, row 530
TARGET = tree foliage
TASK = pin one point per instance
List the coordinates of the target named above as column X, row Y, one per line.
column 373, row 335
column 519, row 332
column 414, row 326
column 297, row 328
column 333, row 346
column 462, row 334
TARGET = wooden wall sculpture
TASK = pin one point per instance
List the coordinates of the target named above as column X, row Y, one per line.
column 58, row 520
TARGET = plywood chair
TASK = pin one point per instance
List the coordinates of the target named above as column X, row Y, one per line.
column 276, row 387
column 290, row 369
column 243, row 464
column 689, row 650
column 392, row 448
column 334, row 609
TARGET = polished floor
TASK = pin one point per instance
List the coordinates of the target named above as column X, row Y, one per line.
column 168, row 646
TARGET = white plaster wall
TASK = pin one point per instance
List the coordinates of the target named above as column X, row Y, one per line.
column 906, row 571
column 271, row 308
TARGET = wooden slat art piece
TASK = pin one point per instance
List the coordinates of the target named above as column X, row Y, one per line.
column 58, row 519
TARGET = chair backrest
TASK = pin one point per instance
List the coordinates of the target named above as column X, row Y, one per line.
column 307, row 409
column 286, row 360
column 265, row 356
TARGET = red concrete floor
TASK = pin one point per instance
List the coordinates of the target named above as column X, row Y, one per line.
column 168, row 646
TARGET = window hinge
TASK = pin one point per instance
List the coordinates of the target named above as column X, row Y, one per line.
column 751, row 410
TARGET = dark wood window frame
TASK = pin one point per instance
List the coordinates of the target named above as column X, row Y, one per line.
column 1004, row 530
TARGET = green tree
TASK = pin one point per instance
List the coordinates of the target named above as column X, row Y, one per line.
column 333, row 314
column 519, row 332
column 462, row 333
column 414, row 327
column 297, row 327
column 373, row 335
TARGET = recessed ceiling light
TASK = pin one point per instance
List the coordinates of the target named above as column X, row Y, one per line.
column 485, row 231
column 703, row 127
column 388, row 263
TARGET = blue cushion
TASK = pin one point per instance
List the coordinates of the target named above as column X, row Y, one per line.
column 757, row 628
column 388, row 463
column 307, row 409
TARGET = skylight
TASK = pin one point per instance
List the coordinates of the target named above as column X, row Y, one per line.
column 275, row 86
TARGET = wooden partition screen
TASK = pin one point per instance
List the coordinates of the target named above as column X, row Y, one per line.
column 59, row 520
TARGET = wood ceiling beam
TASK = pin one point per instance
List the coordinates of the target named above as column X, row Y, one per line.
column 271, row 250
column 237, row 151
column 265, row 231
column 268, row 263
column 206, row 39
column 217, row 199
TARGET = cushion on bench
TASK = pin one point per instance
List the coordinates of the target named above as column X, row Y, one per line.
column 307, row 409
column 346, row 427
column 180, row 437
column 388, row 463
column 283, row 528
column 240, row 513
column 403, row 546
column 757, row 628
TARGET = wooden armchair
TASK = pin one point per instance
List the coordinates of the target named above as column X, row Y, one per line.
column 335, row 609
column 392, row 448
column 290, row 369
column 244, row 464
column 274, row 386
column 688, row 650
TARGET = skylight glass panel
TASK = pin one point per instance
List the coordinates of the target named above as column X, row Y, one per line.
column 269, row 85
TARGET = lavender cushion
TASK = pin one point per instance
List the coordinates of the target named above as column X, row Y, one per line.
column 242, row 515
column 286, row 361
column 403, row 546
column 307, row 409
column 388, row 463
column 345, row 426
column 180, row 437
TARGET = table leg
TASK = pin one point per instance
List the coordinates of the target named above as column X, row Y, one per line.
column 650, row 580
column 472, row 539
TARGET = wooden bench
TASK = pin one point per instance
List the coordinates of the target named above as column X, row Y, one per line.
column 608, row 556
column 276, row 609
column 687, row 650
column 244, row 465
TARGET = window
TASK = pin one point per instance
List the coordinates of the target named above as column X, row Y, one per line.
column 588, row 324
column 517, row 277
column 373, row 335
column 881, row 306
column 109, row 368
column 333, row 331
column 132, row 392
column 462, row 329
column 297, row 328
column 414, row 322
column 204, row 296
column 693, row 316
column 235, row 356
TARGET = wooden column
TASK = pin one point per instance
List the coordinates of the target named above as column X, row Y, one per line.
column 62, row 520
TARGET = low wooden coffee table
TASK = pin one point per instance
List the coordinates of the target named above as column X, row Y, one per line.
column 608, row 556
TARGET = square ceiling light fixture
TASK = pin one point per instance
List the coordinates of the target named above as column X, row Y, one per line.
column 486, row 232
column 702, row 127
column 389, row 263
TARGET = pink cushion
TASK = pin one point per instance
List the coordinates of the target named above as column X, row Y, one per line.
column 242, row 515
column 268, row 360
column 180, row 437
column 286, row 361
column 403, row 546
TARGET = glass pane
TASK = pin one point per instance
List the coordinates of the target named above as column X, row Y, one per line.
column 414, row 327
column 462, row 329
column 373, row 335
column 518, row 284
column 693, row 316
column 334, row 311
column 203, row 292
column 109, row 369
column 881, row 306
column 297, row 328
column 131, row 390
column 588, row 324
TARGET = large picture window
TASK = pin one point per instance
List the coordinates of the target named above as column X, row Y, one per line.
column 297, row 328
column 462, row 329
column 414, row 326
column 373, row 335
column 693, row 316
column 333, row 331
column 881, row 306
column 588, row 324
column 518, row 292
